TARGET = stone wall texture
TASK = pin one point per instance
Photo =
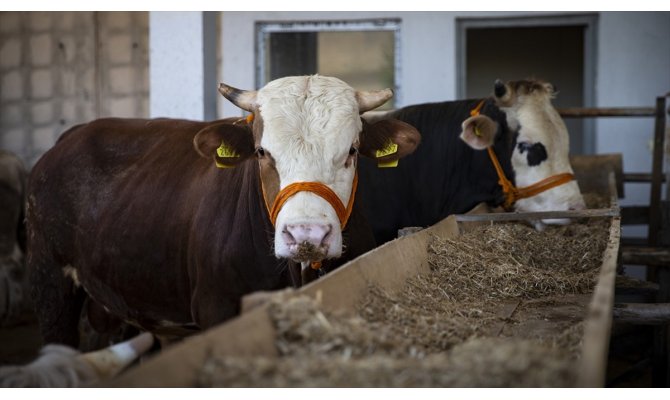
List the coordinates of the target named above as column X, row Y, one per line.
column 59, row 69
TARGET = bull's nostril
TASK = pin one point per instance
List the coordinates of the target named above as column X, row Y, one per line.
column 314, row 234
column 287, row 236
column 327, row 235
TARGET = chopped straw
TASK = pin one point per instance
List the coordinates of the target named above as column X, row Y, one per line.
column 443, row 328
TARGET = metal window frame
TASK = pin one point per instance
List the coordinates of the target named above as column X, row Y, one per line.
column 264, row 28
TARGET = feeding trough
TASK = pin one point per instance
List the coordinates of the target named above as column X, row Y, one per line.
column 529, row 325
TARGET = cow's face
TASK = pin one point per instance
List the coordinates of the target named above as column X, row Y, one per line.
column 308, row 129
column 540, row 145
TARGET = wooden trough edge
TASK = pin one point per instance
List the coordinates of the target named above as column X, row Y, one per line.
column 527, row 216
column 253, row 332
column 598, row 321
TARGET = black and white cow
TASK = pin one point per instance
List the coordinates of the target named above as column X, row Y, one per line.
column 451, row 172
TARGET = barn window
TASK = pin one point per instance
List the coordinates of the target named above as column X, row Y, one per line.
column 365, row 54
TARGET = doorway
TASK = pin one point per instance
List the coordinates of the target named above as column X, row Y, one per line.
column 555, row 49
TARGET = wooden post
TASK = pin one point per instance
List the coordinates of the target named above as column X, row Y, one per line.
column 661, row 356
column 642, row 314
column 656, row 177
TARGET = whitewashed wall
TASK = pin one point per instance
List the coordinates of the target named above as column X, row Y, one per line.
column 632, row 67
column 428, row 49
column 421, row 80
column 182, row 64
column 632, row 58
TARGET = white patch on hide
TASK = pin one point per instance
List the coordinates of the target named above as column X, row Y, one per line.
column 70, row 272
column 538, row 121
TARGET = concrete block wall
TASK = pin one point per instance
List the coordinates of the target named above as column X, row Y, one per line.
column 59, row 69
column 124, row 63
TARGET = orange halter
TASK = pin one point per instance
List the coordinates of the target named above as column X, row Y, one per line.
column 321, row 190
column 511, row 192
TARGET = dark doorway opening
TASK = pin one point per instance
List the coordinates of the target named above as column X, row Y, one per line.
column 552, row 53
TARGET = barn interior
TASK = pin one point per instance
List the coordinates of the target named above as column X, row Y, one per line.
column 62, row 68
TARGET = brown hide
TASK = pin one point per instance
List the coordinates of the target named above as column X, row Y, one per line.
column 158, row 235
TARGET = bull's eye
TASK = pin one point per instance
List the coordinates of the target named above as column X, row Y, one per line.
column 260, row 152
column 352, row 151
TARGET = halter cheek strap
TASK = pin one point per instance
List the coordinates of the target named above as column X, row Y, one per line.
column 511, row 192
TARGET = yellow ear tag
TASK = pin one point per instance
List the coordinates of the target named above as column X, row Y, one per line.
column 224, row 151
column 390, row 164
column 391, row 148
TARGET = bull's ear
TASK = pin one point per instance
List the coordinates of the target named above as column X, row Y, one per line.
column 388, row 140
column 479, row 131
column 226, row 144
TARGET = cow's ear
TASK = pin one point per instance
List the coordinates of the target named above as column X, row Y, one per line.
column 388, row 140
column 227, row 144
column 479, row 131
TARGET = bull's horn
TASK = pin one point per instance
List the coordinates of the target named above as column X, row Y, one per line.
column 244, row 99
column 369, row 100
column 110, row 361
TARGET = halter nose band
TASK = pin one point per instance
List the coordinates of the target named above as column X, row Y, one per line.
column 321, row 190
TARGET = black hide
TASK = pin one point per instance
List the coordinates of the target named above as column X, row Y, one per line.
column 444, row 175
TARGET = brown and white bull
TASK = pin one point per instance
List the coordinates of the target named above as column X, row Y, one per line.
column 124, row 211
column 454, row 168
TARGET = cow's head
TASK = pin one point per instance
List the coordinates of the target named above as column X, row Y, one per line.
column 540, row 145
column 308, row 129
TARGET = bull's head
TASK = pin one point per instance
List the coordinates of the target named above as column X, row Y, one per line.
column 541, row 144
column 308, row 130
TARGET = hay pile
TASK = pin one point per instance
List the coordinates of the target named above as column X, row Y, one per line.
column 514, row 260
column 319, row 349
column 476, row 363
column 444, row 328
column 474, row 273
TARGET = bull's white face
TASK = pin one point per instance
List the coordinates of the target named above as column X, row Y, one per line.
column 307, row 130
column 541, row 148
column 310, row 131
